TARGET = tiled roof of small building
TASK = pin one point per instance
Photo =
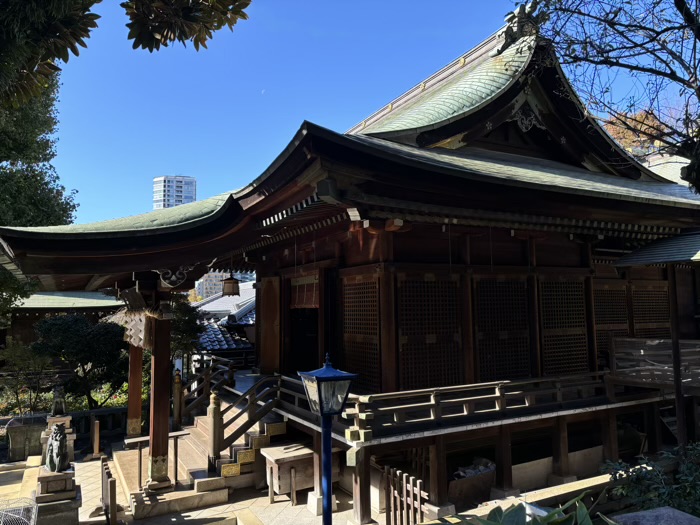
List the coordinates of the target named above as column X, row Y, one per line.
column 216, row 337
column 70, row 300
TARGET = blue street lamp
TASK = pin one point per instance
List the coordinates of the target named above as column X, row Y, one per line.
column 327, row 390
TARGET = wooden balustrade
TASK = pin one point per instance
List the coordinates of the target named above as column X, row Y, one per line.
column 217, row 375
column 396, row 412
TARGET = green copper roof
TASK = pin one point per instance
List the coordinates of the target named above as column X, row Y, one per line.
column 466, row 85
column 517, row 170
column 69, row 300
column 179, row 216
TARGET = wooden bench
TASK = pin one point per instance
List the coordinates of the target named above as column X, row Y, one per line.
column 290, row 468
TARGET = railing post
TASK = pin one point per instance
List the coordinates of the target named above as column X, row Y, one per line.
column 206, row 379
column 177, row 400
column 435, row 408
column 231, row 375
column 252, row 405
column 216, row 430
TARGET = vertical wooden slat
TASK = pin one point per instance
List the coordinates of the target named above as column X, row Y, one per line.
column 419, row 493
column 387, row 495
column 406, row 502
column 399, row 499
column 412, row 491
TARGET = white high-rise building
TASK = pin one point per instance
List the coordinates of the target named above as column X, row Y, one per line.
column 173, row 190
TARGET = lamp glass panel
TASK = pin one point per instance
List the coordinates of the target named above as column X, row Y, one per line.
column 333, row 395
column 311, row 387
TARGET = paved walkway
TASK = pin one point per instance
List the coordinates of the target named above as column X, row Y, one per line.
column 89, row 476
column 281, row 512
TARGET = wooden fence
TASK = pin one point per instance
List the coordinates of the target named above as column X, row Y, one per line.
column 405, row 498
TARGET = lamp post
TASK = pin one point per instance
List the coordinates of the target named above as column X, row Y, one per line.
column 327, row 390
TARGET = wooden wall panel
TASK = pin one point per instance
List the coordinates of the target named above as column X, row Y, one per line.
column 563, row 326
column 501, row 328
column 430, row 312
column 611, row 315
column 360, row 330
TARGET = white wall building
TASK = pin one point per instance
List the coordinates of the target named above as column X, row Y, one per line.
column 210, row 284
column 173, row 190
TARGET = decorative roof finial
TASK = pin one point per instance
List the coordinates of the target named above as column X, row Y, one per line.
column 522, row 22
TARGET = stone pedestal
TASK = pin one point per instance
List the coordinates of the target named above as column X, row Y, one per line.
column 58, row 498
column 70, row 435
column 55, row 486
column 315, row 503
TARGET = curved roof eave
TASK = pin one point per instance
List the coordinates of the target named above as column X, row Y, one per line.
column 601, row 130
column 157, row 222
column 444, row 163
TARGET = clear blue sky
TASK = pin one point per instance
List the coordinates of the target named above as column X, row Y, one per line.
column 223, row 114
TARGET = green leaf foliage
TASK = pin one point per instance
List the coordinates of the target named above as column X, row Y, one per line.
column 184, row 328
column 35, row 35
column 96, row 352
column 517, row 515
column 650, row 484
column 159, row 23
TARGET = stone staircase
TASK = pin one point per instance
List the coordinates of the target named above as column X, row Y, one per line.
column 246, row 430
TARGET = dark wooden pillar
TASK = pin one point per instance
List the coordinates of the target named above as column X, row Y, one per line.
column 652, row 426
column 590, row 312
column 133, row 415
column 388, row 332
column 608, row 423
column 682, row 427
column 160, row 406
column 269, row 315
column 560, row 447
column 438, row 472
column 691, row 419
column 533, row 307
column 504, row 459
column 362, row 510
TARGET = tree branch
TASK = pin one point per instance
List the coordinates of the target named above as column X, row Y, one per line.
column 688, row 17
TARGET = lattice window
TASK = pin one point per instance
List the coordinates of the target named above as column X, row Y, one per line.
column 360, row 297
column 563, row 320
column 501, row 326
column 651, row 310
column 430, row 312
column 611, row 316
column 650, row 304
column 610, row 305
